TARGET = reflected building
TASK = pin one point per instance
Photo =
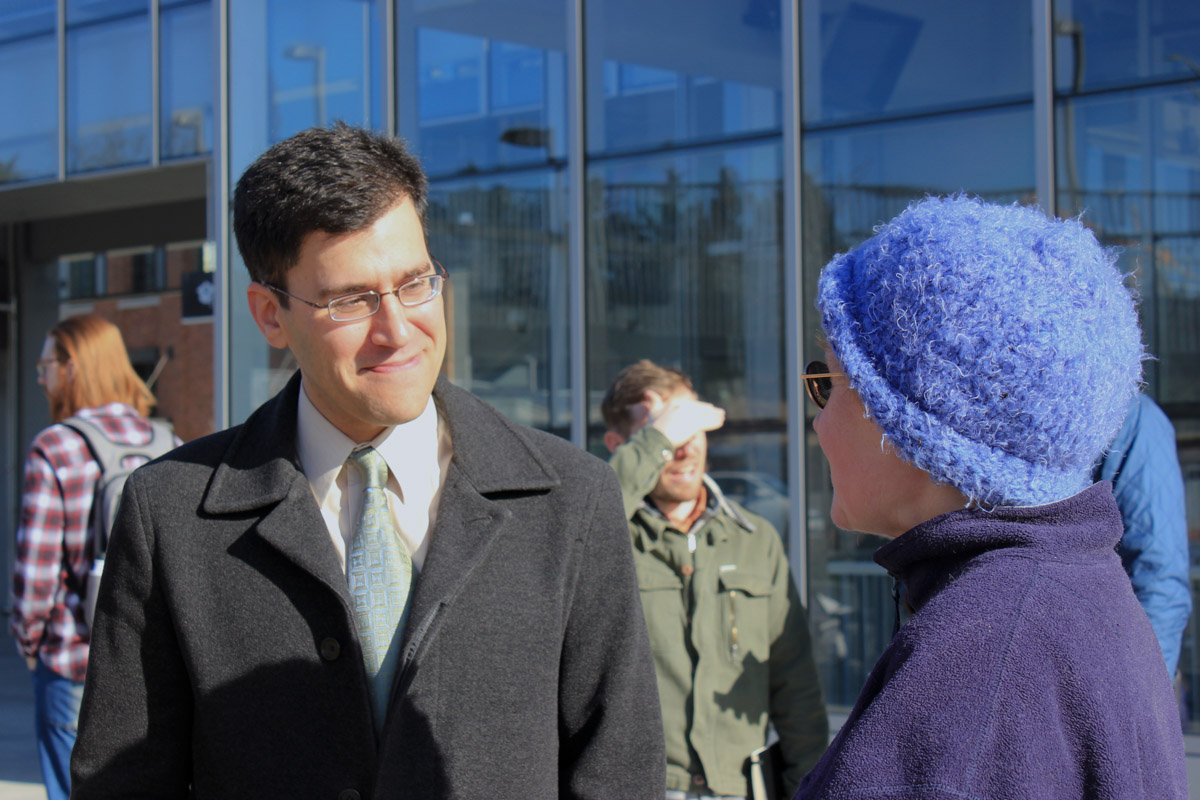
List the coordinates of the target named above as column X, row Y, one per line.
column 609, row 181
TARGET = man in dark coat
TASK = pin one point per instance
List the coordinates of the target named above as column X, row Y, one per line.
column 231, row 630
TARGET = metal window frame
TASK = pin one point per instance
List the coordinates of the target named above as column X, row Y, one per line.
column 577, row 220
column 218, row 218
column 793, row 289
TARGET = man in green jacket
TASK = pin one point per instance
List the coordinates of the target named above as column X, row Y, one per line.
column 729, row 635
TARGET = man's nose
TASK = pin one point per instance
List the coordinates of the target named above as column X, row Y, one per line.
column 390, row 322
column 685, row 450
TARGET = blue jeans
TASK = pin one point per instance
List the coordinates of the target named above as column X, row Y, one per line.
column 56, row 717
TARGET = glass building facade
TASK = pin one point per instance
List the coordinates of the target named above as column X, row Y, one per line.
column 609, row 181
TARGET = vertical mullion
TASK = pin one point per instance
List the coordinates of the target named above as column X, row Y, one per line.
column 218, row 217
column 793, row 288
column 390, row 62
column 1043, row 105
column 577, row 221
column 155, row 86
column 61, row 34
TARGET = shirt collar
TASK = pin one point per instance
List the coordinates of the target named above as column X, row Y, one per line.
column 324, row 449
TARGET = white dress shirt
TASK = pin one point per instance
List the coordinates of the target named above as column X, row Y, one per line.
column 417, row 454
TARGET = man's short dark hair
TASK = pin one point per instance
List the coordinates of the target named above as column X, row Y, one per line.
column 336, row 180
column 630, row 386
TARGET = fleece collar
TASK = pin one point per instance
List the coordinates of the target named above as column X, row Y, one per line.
column 1086, row 525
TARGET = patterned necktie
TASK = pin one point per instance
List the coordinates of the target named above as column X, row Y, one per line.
column 379, row 570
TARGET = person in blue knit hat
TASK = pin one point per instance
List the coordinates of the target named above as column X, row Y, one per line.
column 979, row 359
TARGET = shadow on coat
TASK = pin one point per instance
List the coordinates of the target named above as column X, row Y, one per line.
column 278, row 732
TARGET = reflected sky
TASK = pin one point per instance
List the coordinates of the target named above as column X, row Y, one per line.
column 867, row 59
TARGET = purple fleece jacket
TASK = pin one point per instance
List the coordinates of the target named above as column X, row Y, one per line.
column 1028, row 669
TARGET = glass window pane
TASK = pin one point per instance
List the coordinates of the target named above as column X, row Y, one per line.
column 83, row 11
column 1129, row 163
column 29, row 82
column 1100, row 45
column 504, row 245
column 186, row 81
column 872, row 58
column 662, row 72
column 853, row 181
column 108, row 84
column 483, row 91
column 77, row 277
column 134, row 271
column 685, row 268
column 296, row 63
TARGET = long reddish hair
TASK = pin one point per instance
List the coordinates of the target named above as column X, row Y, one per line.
column 100, row 370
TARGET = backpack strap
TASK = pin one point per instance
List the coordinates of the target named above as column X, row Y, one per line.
column 104, row 450
column 110, row 455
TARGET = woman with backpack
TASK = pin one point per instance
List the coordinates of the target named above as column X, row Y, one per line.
column 85, row 372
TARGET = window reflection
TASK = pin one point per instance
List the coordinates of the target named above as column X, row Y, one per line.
column 1131, row 163
column 717, row 74
column 685, row 268
column 504, row 245
column 855, row 180
column 186, row 78
column 293, row 64
column 1100, row 45
column 488, row 91
column 108, row 83
column 318, row 56
column 29, row 82
column 485, row 92
column 874, row 58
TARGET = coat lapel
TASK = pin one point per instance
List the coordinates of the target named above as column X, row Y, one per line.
column 260, row 473
column 492, row 457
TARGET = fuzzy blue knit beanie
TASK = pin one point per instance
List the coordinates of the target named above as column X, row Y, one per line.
column 998, row 349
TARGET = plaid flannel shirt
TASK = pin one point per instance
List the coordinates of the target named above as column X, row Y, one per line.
column 51, row 566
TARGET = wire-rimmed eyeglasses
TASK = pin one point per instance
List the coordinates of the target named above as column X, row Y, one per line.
column 360, row 305
column 817, row 381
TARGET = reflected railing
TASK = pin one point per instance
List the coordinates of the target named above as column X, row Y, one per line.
column 1188, row 687
column 852, row 617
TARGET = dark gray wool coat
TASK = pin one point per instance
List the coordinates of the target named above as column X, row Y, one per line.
column 225, row 661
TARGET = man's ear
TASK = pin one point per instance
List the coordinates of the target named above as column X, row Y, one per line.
column 264, row 307
column 613, row 440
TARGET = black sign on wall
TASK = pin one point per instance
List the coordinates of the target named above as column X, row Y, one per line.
column 199, row 291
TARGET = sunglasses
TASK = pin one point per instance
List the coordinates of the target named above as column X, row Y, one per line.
column 817, row 381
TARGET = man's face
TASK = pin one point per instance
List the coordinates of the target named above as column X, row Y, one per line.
column 683, row 475
column 372, row 373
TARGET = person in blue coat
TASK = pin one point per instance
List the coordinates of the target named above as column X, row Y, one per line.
column 1143, row 465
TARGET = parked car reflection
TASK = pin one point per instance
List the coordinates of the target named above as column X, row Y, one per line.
column 758, row 492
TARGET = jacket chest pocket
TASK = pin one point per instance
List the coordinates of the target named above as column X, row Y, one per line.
column 744, row 602
column 661, row 592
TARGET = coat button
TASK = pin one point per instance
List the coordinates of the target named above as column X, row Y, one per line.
column 698, row 780
column 686, row 570
column 348, row 794
column 330, row 650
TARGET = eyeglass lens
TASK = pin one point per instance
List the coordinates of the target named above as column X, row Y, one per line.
column 818, row 388
column 413, row 293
